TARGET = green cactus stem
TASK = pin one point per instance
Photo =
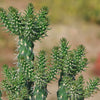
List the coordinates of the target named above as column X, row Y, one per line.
column 73, row 63
column 29, row 27
column 44, row 73
column 40, row 93
column 25, row 49
column 29, row 78
column 69, row 63
column 41, row 77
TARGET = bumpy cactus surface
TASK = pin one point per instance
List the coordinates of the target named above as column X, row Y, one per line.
column 29, row 78
column 69, row 63
column 19, row 82
column 30, row 27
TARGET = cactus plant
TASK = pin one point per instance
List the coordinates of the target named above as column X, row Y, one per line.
column 29, row 78
column 28, row 27
column 70, row 63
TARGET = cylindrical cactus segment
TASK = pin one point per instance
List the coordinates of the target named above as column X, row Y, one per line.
column 62, row 94
column 40, row 93
column 70, row 89
column 11, row 20
column 25, row 50
column 40, row 78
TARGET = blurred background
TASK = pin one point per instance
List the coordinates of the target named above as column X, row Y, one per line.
column 76, row 20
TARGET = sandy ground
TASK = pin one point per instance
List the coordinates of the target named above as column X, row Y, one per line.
column 76, row 33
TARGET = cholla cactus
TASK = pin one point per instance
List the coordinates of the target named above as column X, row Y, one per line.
column 29, row 79
column 17, row 83
column 42, row 76
column 29, row 27
column 69, row 63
